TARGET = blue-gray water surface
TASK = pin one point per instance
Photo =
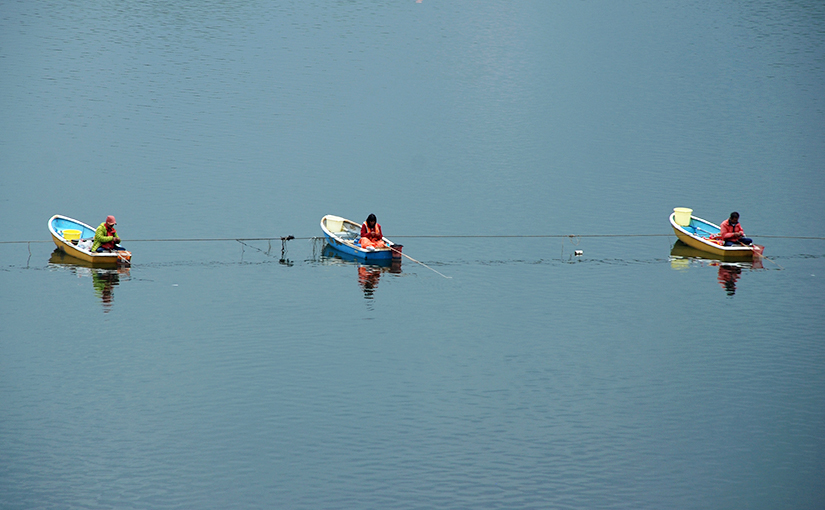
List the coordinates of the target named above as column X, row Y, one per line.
column 256, row 374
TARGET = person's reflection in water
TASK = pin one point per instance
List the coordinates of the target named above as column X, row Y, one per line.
column 368, row 279
column 104, row 282
column 728, row 275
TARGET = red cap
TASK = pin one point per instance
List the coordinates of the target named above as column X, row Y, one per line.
column 110, row 220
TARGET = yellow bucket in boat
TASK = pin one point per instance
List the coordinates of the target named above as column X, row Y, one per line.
column 682, row 216
column 71, row 234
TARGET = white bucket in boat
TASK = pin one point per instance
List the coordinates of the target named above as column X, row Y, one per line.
column 682, row 216
column 335, row 224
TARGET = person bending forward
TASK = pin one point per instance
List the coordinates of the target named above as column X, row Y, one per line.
column 106, row 238
column 731, row 231
column 371, row 235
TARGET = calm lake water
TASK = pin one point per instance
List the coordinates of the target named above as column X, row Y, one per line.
column 226, row 374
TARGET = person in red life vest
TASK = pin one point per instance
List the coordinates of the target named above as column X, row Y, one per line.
column 730, row 231
column 371, row 235
column 106, row 238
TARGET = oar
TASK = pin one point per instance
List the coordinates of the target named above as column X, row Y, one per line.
column 738, row 241
column 705, row 231
column 759, row 254
column 417, row 262
column 752, row 248
column 756, row 252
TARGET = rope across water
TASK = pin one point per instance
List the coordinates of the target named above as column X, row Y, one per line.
column 526, row 236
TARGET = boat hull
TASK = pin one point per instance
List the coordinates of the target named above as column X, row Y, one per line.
column 332, row 256
column 697, row 235
column 58, row 224
column 341, row 235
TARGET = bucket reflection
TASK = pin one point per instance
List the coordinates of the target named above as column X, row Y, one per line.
column 104, row 281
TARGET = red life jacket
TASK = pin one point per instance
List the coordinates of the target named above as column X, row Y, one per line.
column 110, row 231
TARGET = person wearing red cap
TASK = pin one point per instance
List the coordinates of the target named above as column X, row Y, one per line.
column 106, row 238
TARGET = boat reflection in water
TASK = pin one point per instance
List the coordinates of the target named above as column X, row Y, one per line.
column 103, row 280
column 683, row 256
column 368, row 275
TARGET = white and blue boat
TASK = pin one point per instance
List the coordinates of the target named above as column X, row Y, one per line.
column 75, row 238
column 344, row 236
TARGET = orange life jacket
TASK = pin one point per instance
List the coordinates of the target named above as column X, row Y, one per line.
column 372, row 233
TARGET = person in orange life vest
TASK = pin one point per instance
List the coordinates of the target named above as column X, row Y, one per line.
column 730, row 231
column 106, row 238
column 371, row 235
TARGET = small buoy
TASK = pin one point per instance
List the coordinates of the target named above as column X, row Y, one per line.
column 578, row 253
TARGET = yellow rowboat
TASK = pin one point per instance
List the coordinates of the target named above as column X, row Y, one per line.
column 700, row 234
column 75, row 238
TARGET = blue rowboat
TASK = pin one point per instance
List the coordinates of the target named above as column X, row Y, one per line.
column 75, row 238
column 700, row 234
column 344, row 236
